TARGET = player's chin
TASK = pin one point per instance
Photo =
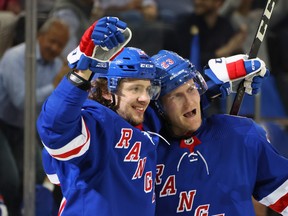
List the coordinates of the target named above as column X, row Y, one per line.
column 139, row 120
column 194, row 127
column 193, row 123
column 136, row 120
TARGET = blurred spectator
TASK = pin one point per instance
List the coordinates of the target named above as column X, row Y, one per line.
column 45, row 6
column 203, row 35
column 7, row 26
column 216, row 35
column 52, row 38
column 76, row 14
column 246, row 16
column 19, row 30
column 141, row 17
column 130, row 11
column 9, row 10
column 228, row 7
column 249, row 16
column 279, row 13
column 170, row 10
column 277, row 47
column 13, row 6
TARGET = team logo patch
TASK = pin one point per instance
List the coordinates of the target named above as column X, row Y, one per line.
column 189, row 141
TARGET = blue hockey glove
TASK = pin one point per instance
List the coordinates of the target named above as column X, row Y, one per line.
column 227, row 73
column 99, row 44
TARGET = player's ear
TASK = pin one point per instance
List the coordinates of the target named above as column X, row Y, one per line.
column 107, row 96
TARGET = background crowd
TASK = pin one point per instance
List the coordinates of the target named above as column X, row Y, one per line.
column 196, row 29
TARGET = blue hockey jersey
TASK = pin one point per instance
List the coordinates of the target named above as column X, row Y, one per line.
column 103, row 164
column 217, row 171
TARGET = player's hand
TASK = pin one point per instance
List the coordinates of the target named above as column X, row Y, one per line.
column 227, row 73
column 100, row 43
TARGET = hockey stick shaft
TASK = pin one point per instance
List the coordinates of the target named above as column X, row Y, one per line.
column 261, row 31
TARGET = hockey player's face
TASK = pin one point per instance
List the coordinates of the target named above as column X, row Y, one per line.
column 133, row 99
column 182, row 109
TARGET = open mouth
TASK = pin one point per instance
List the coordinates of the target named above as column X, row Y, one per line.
column 190, row 114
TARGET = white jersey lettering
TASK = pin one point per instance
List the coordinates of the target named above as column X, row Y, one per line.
column 169, row 187
column 202, row 210
column 125, row 138
column 159, row 173
column 186, row 201
column 148, row 182
column 140, row 168
column 134, row 153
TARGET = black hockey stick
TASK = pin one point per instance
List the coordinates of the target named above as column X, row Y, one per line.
column 263, row 25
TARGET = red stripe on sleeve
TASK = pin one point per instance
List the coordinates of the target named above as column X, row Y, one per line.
column 280, row 204
column 76, row 150
column 62, row 206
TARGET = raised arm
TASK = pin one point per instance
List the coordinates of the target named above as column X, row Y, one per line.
column 60, row 120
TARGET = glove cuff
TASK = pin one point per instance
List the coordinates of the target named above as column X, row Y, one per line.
column 74, row 56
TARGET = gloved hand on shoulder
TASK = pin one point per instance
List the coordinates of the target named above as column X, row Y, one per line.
column 103, row 40
column 226, row 74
